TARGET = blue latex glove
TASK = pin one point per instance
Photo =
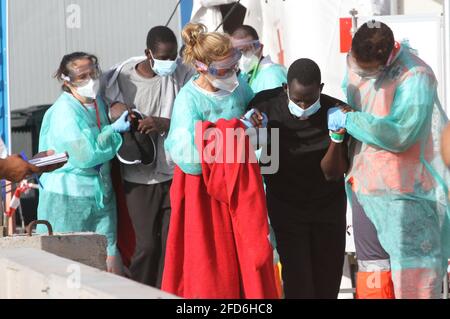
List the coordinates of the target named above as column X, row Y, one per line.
column 248, row 115
column 122, row 124
column 336, row 119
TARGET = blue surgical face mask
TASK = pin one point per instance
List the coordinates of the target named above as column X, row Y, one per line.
column 163, row 67
column 303, row 114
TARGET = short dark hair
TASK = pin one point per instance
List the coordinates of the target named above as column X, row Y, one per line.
column 160, row 34
column 246, row 31
column 374, row 41
column 305, row 71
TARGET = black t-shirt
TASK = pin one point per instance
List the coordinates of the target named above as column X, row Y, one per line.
column 302, row 146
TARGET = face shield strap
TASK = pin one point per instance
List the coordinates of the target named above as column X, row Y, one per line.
column 202, row 66
column 394, row 54
column 93, row 71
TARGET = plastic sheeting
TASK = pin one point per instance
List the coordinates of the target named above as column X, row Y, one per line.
column 397, row 172
column 268, row 77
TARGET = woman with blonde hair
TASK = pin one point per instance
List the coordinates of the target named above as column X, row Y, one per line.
column 218, row 243
column 214, row 93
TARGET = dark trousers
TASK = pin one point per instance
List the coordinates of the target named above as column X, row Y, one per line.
column 367, row 244
column 311, row 253
column 149, row 209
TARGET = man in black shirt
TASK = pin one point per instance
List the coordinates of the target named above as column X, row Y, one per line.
column 306, row 198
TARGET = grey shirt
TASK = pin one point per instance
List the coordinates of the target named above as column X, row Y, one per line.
column 152, row 97
column 139, row 92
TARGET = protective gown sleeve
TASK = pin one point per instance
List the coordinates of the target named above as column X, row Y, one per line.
column 270, row 78
column 402, row 128
column 344, row 85
column 180, row 142
column 73, row 135
column 246, row 90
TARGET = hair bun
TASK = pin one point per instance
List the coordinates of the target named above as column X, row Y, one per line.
column 192, row 32
column 204, row 46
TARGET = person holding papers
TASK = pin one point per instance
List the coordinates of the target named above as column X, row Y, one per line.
column 15, row 169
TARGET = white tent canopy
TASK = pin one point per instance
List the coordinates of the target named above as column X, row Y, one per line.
column 310, row 29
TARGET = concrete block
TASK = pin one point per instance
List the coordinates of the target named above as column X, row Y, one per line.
column 86, row 248
column 34, row 274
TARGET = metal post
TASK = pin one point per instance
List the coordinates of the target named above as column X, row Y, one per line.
column 2, row 214
column 394, row 7
column 447, row 91
column 4, row 7
column 445, row 284
column 354, row 14
column 447, row 54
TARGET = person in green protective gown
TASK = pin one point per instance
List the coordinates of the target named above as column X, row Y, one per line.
column 258, row 70
column 79, row 197
column 397, row 180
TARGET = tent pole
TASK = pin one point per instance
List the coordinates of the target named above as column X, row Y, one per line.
column 447, row 53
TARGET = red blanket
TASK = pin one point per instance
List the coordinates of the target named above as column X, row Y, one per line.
column 218, row 245
column 126, row 238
